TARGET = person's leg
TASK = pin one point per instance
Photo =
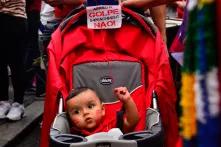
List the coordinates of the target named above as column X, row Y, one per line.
column 18, row 29
column 4, row 79
column 16, row 62
column 4, row 84
column 32, row 50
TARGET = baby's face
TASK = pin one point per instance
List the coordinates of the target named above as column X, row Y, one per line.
column 85, row 110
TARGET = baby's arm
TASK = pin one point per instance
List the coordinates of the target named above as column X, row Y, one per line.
column 131, row 111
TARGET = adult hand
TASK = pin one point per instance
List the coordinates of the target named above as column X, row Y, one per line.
column 180, row 4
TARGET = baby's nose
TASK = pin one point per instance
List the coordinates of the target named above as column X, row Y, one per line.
column 85, row 111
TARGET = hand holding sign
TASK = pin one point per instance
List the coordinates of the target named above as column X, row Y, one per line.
column 103, row 14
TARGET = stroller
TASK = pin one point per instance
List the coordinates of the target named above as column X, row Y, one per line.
column 133, row 56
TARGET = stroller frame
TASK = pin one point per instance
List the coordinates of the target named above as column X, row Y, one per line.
column 153, row 134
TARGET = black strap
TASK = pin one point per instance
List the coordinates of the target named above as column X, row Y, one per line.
column 120, row 120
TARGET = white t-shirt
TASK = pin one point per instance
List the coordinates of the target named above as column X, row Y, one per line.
column 47, row 13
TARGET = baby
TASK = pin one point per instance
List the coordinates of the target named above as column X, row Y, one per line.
column 86, row 111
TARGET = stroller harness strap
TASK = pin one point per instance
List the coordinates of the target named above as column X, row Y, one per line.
column 120, row 120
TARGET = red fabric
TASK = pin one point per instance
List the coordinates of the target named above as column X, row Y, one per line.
column 180, row 12
column 179, row 142
column 131, row 43
column 177, row 45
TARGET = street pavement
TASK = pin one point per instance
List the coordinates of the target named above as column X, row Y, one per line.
column 32, row 138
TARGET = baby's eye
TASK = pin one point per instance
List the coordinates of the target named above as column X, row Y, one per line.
column 90, row 106
column 76, row 112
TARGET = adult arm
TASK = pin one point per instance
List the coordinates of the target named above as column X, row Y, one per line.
column 158, row 15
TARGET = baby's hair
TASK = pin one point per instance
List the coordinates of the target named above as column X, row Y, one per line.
column 77, row 91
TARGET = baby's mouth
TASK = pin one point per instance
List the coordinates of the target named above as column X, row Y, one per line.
column 88, row 119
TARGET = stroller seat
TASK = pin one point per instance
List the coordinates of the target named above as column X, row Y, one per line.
column 152, row 136
column 103, row 77
column 133, row 56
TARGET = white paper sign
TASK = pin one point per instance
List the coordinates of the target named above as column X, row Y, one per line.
column 104, row 17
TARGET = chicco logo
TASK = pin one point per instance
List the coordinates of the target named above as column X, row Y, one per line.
column 106, row 80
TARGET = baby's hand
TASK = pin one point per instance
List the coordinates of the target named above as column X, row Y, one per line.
column 122, row 94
